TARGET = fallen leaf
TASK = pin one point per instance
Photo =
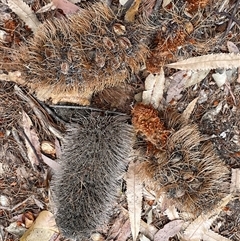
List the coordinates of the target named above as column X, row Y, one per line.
column 66, row 6
column 124, row 232
column 235, row 181
column 132, row 11
column 195, row 77
column 48, row 7
column 220, row 78
column 208, row 62
column 154, row 86
column 200, row 226
column 44, row 228
column 134, row 198
column 165, row 3
column 232, row 48
column 188, row 111
column 171, row 213
column 25, row 13
column 51, row 163
column 176, row 86
column 31, row 140
column 169, row 230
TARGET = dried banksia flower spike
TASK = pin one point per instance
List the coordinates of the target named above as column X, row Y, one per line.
column 187, row 169
column 68, row 59
column 95, row 155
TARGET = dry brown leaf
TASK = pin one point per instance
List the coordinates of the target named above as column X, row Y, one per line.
column 235, row 181
column 31, row 140
column 66, row 6
column 200, row 226
column 188, row 111
column 169, row 230
column 134, row 198
column 25, row 13
column 208, row 62
column 154, row 86
column 132, row 11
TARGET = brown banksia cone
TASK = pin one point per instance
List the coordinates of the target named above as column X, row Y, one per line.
column 95, row 155
column 187, row 169
column 69, row 59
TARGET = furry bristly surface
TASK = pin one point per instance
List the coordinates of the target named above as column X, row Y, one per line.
column 70, row 58
column 95, row 154
column 185, row 167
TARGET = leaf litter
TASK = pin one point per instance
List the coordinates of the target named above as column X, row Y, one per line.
column 182, row 92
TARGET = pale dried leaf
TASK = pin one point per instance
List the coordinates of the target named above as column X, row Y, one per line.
column 154, row 86
column 144, row 238
column 169, row 230
column 75, row 1
column 32, row 137
column 132, row 11
column 201, row 225
column 171, row 213
column 188, row 111
column 50, row 6
column 25, row 13
column 51, row 163
column 208, row 62
column 44, row 228
column 66, row 6
column 195, row 77
column 4, row 201
column 212, row 236
column 232, row 48
column 123, row 2
column 220, row 78
column 38, row 203
column 134, row 198
column 165, row 3
column 235, row 181
column 12, row 76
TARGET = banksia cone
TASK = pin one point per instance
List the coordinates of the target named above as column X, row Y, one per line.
column 68, row 59
column 94, row 157
column 187, row 170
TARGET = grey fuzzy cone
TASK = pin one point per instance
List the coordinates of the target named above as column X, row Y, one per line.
column 94, row 157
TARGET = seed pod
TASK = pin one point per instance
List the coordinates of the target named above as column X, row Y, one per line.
column 94, row 157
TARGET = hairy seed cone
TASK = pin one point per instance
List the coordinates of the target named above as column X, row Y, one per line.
column 70, row 58
column 187, row 168
column 94, row 157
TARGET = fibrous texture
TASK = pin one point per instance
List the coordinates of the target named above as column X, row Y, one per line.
column 82, row 54
column 94, row 157
column 187, row 169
